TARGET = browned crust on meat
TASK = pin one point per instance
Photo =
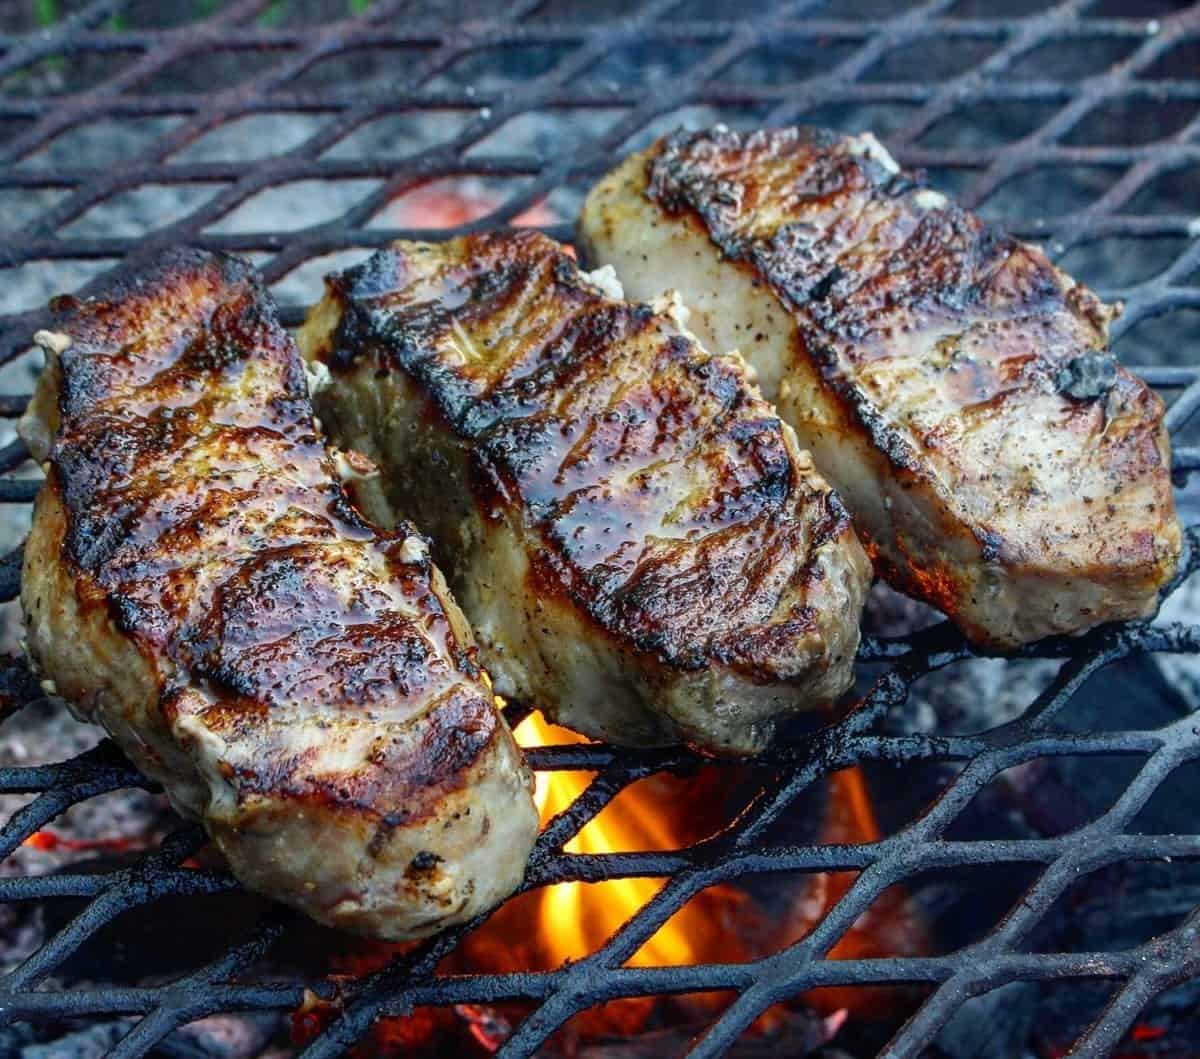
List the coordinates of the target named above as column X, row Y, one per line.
column 409, row 777
column 213, row 529
column 867, row 261
column 577, row 412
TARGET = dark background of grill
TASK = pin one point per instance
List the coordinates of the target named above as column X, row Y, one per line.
column 1078, row 124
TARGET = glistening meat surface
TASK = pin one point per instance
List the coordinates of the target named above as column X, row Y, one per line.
column 951, row 383
column 644, row 551
column 196, row 581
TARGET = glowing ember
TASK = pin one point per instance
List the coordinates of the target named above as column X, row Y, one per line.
column 48, row 840
column 451, row 203
column 489, row 1028
column 1145, row 1031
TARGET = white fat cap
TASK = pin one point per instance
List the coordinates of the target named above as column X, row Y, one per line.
column 865, row 144
column 317, row 376
column 605, row 279
column 352, row 466
column 670, row 303
column 928, row 199
column 414, row 550
column 53, row 341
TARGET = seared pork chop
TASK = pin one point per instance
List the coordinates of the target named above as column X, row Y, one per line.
column 644, row 551
column 951, row 383
column 197, row 582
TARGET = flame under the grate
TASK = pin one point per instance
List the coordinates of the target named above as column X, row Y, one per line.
column 576, row 918
column 545, row 928
column 666, row 812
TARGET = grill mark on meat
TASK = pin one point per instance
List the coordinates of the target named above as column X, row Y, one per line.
column 403, row 786
column 558, row 430
column 202, row 513
column 269, row 482
column 872, row 268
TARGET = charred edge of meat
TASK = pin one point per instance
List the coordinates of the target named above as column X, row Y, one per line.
column 681, row 180
column 678, row 184
column 855, row 404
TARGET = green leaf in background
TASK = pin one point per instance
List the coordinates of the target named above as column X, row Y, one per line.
column 46, row 12
column 274, row 14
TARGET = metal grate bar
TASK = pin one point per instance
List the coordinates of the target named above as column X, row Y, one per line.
column 857, row 71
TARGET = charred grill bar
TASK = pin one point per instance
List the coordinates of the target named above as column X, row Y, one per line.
column 114, row 63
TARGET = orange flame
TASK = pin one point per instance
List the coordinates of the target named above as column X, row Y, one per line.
column 583, row 915
column 545, row 928
column 542, row 929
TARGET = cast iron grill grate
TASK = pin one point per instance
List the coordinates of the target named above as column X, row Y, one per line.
column 927, row 78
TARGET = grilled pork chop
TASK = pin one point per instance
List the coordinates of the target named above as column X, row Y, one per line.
column 197, row 582
column 951, row 383
column 645, row 553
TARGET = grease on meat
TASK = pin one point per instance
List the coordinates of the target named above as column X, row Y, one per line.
column 197, row 582
column 644, row 551
column 951, row 383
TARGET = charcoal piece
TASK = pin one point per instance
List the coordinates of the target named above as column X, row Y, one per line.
column 88, row 1042
column 993, row 1026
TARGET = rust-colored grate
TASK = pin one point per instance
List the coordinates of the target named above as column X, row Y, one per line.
column 1078, row 122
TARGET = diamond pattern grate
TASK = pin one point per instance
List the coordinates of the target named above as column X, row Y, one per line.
column 1077, row 121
